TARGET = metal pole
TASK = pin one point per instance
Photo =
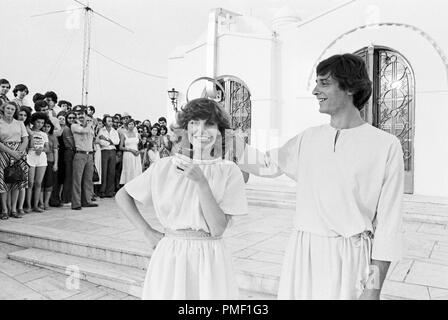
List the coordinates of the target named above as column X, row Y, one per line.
column 86, row 56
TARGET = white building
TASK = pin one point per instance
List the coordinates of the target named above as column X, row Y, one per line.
column 405, row 48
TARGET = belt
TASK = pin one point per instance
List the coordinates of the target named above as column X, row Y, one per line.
column 84, row 152
column 190, row 234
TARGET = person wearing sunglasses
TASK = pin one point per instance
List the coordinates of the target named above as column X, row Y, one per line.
column 69, row 153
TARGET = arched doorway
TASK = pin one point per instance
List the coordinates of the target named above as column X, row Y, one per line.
column 392, row 105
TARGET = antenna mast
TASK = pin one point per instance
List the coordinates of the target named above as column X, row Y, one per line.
column 86, row 55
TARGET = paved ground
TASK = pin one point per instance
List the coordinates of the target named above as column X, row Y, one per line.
column 257, row 242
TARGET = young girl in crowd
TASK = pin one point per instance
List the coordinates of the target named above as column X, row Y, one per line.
column 165, row 142
column 52, row 165
column 190, row 260
column 37, row 160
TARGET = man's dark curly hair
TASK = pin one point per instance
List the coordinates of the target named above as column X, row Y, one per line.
column 203, row 109
column 350, row 72
column 39, row 116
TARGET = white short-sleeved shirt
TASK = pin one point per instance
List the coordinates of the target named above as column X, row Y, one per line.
column 347, row 187
column 39, row 139
column 175, row 197
column 12, row 132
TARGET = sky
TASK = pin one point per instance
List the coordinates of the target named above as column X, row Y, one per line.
column 45, row 52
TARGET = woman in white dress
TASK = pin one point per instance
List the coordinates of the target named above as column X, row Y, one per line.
column 132, row 165
column 194, row 197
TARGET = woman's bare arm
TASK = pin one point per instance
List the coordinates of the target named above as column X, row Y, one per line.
column 129, row 208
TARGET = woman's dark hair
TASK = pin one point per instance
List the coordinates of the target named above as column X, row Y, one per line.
column 61, row 113
column 11, row 103
column 203, row 109
column 38, row 116
column 39, row 104
column 20, row 87
column 146, row 120
column 128, row 121
column 37, row 97
column 52, row 95
column 350, row 72
column 4, row 81
column 162, row 127
column 162, row 119
column 27, row 110
column 51, row 126
column 69, row 113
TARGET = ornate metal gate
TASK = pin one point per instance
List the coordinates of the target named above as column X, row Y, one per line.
column 392, row 105
column 236, row 99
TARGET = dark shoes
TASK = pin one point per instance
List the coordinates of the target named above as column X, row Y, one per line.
column 90, row 205
column 15, row 215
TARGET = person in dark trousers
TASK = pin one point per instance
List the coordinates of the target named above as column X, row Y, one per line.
column 83, row 134
column 108, row 139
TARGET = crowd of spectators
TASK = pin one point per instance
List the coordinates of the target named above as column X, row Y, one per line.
column 66, row 155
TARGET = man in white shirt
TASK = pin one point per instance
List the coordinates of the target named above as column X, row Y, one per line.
column 350, row 176
column 108, row 139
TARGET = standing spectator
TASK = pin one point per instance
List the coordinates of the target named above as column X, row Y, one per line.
column 146, row 123
column 90, row 113
column 126, row 116
column 4, row 89
column 151, row 156
column 69, row 153
column 52, row 165
column 64, row 106
column 55, row 199
column 42, row 106
column 51, row 98
column 155, row 137
column 13, row 144
column 117, row 121
column 97, row 159
column 24, row 115
column 162, row 121
column 142, row 146
column 108, row 139
column 20, row 91
column 83, row 134
column 146, row 130
column 132, row 165
column 165, row 142
column 37, row 160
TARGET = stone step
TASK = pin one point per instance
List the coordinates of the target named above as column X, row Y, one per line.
column 416, row 208
column 128, row 279
column 133, row 254
column 118, row 277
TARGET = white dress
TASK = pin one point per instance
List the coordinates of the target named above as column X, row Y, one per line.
column 189, row 264
column 132, row 165
column 348, row 209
